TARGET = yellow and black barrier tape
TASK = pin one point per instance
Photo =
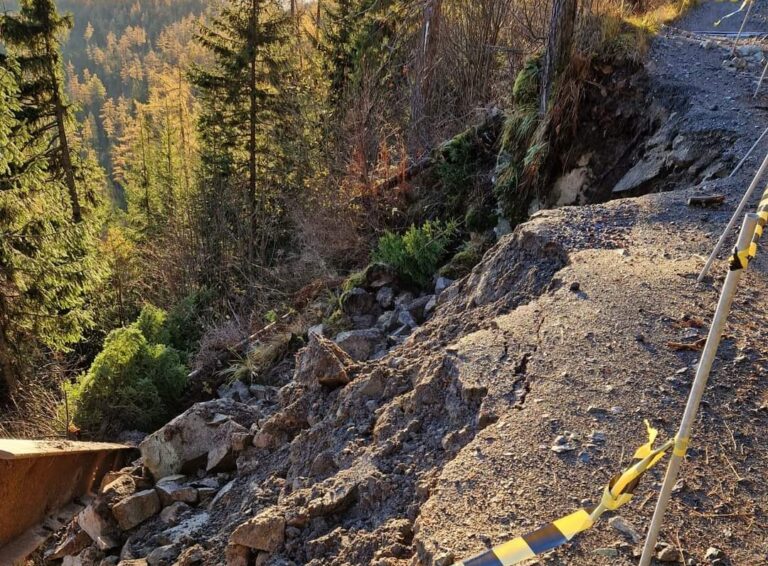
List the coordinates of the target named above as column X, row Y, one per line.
column 618, row 492
column 742, row 258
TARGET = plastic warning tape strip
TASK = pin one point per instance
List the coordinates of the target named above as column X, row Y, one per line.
column 741, row 9
column 618, row 492
column 742, row 258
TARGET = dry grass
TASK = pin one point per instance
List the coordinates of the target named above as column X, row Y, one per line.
column 35, row 411
column 654, row 19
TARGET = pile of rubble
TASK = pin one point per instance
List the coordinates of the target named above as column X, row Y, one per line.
column 147, row 513
column 383, row 313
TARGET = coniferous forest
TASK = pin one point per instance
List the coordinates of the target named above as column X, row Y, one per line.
column 175, row 173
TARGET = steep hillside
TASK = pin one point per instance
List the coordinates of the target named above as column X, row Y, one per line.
column 522, row 394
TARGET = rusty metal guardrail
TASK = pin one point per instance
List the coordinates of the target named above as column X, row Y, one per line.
column 39, row 477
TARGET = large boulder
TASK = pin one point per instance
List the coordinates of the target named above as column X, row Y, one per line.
column 184, row 443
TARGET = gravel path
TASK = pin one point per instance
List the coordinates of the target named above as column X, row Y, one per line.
column 597, row 359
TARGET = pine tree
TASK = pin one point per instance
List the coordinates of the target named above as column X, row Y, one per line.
column 46, row 268
column 241, row 95
column 32, row 36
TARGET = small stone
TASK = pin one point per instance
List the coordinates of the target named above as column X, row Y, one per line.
column 192, row 555
column 668, row 554
column 73, row 544
column 264, row 532
column 173, row 513
column 713, row 554
column 606, row 551
column 163, row 555
column 169, row 492
column 575, row 286
column 621, row 525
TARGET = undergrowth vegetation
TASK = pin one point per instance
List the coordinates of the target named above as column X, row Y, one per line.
column 135, row 382
column 418, row 253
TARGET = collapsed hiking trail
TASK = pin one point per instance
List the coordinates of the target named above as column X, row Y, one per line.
column 528, row 388
column 598, row 353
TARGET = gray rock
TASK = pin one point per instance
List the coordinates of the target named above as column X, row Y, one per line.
column 417, row 306
column 318, row 329
column 358, row 301
column 642, row 173
column 405, row 318
column 387, row 321
column 360, row 344
column 442, row 284
column 134, row 510
column 364, row 321
column 237, row 391
column 621, row 525
column 748, row 50
column 430, row 307
column 190, row 436
column 403, row 299
column 163, row 555
column 386, row 297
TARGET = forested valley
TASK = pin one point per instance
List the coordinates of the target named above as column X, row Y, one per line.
column 176, row 175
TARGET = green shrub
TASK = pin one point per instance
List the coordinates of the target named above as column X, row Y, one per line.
column 134, row 382
column 152, row 324
column 526, row 87
column 458, row 162
column 417, row 254
column 185, row 322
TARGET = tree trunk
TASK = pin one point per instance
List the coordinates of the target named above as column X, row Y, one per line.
column 559, row 46
column 61, row 127
column 252, row 134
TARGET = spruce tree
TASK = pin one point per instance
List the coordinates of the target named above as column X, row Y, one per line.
column 32, row 37
column 46, row 264
column 241, row 103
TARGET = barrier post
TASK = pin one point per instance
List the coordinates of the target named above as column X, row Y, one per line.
column 734, row 219
column 697, row 389
column 741, row 29
column 760, row 82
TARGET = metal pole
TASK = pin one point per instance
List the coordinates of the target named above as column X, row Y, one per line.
column 734, row 218
column 762, row 78
column 751, row 149
column 741, row 29
column 697, row 390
